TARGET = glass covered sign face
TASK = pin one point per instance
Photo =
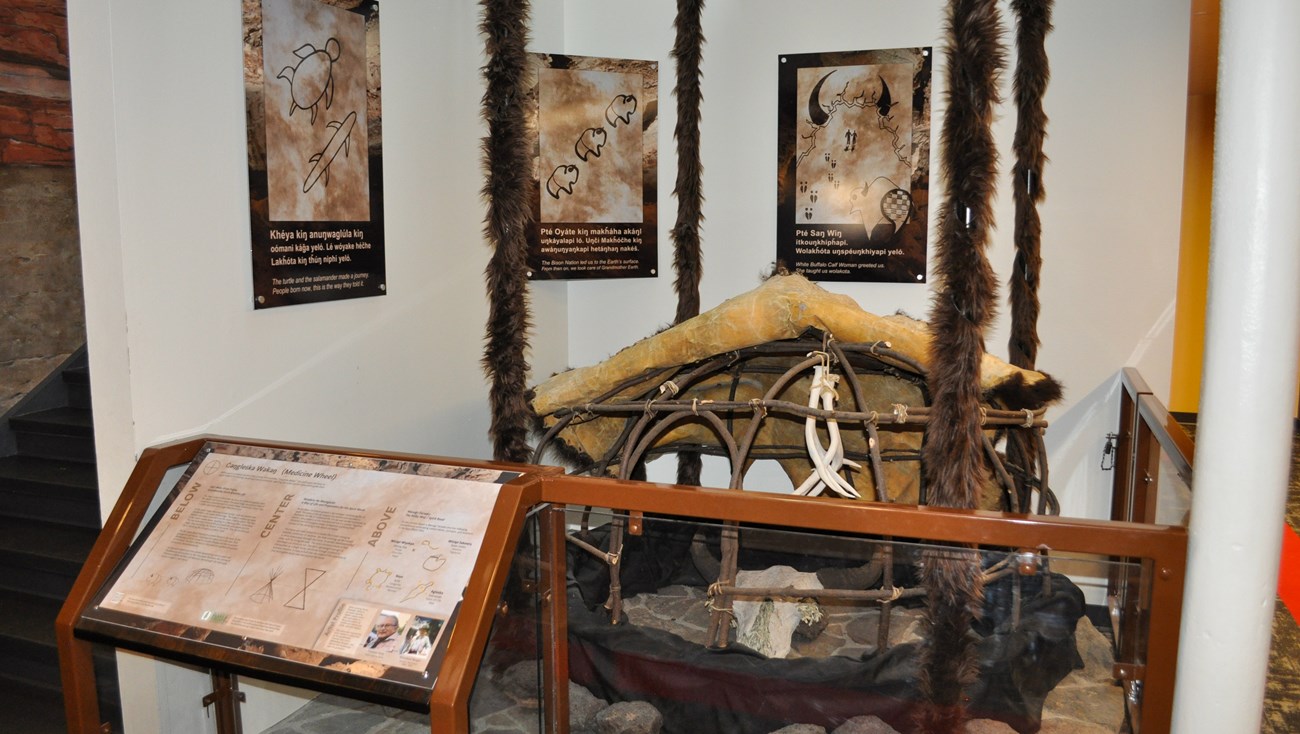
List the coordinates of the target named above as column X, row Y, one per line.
column 349, row 565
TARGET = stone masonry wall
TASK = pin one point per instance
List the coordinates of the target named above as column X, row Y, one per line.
column 41, row 309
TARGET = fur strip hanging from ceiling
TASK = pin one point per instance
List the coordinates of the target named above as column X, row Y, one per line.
column 687, row 257
column 1033, row 23
column 963, row 305
column 505, row 29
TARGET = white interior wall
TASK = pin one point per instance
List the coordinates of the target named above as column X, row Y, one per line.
column 1111, row 219
column 176, row 348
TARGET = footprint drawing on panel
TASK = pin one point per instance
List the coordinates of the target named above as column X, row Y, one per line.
column 418, row 590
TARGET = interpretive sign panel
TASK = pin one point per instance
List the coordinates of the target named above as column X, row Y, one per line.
column 315, row 160
column 853, row 164
column 344, row 563
column 595, row 155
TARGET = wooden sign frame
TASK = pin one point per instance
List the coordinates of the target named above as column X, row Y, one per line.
column 80, row 621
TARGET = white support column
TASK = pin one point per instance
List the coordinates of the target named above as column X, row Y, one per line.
column 1243, row 442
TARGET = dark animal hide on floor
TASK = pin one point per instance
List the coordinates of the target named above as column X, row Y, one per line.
column 505, row 28
column 962, row 307
column 736, row 691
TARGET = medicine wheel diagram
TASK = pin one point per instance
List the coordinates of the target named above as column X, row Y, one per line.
column 266, row 592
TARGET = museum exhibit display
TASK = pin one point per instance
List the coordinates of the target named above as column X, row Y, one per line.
column 914, row 576
column 850, row 404
column 823, row 613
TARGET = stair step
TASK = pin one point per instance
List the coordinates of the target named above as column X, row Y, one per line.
column 31, row 709
column 42, row 558
column 79, row 375
column 58, row 433
column 49, row 520
column 29, row 652
column 36, row 709
column 56, row 421
column 50, row 490
column 77, row 381
column 27, row 644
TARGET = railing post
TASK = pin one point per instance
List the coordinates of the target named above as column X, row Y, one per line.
column 555, row 621
column 1137, row 469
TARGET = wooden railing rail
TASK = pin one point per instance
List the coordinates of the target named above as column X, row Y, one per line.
column 1146, row 432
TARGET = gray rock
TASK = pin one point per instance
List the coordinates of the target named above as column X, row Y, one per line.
column 808, row 631
column 488, row 699
column 583, row 707
column 865, row 725
column 1095, row 649
column 629, row 717
column 905, row 625
column 521, row 682
column 988, row 726
column 801, row 729
column 1072, row 726
column 1100, row 703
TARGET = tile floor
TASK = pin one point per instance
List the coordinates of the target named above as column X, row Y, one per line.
column 1282, row 695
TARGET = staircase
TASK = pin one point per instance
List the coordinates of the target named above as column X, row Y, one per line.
column 49, row 519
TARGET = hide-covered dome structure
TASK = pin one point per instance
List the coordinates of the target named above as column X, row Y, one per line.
column 776, row 373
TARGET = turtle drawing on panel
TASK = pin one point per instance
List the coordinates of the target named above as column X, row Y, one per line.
column 312, row 79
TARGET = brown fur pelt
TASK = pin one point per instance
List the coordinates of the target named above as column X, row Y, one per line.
column 1034, row 22
column 964, row 302
column 961, row 309
column 505, row 29
column 687, row 258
